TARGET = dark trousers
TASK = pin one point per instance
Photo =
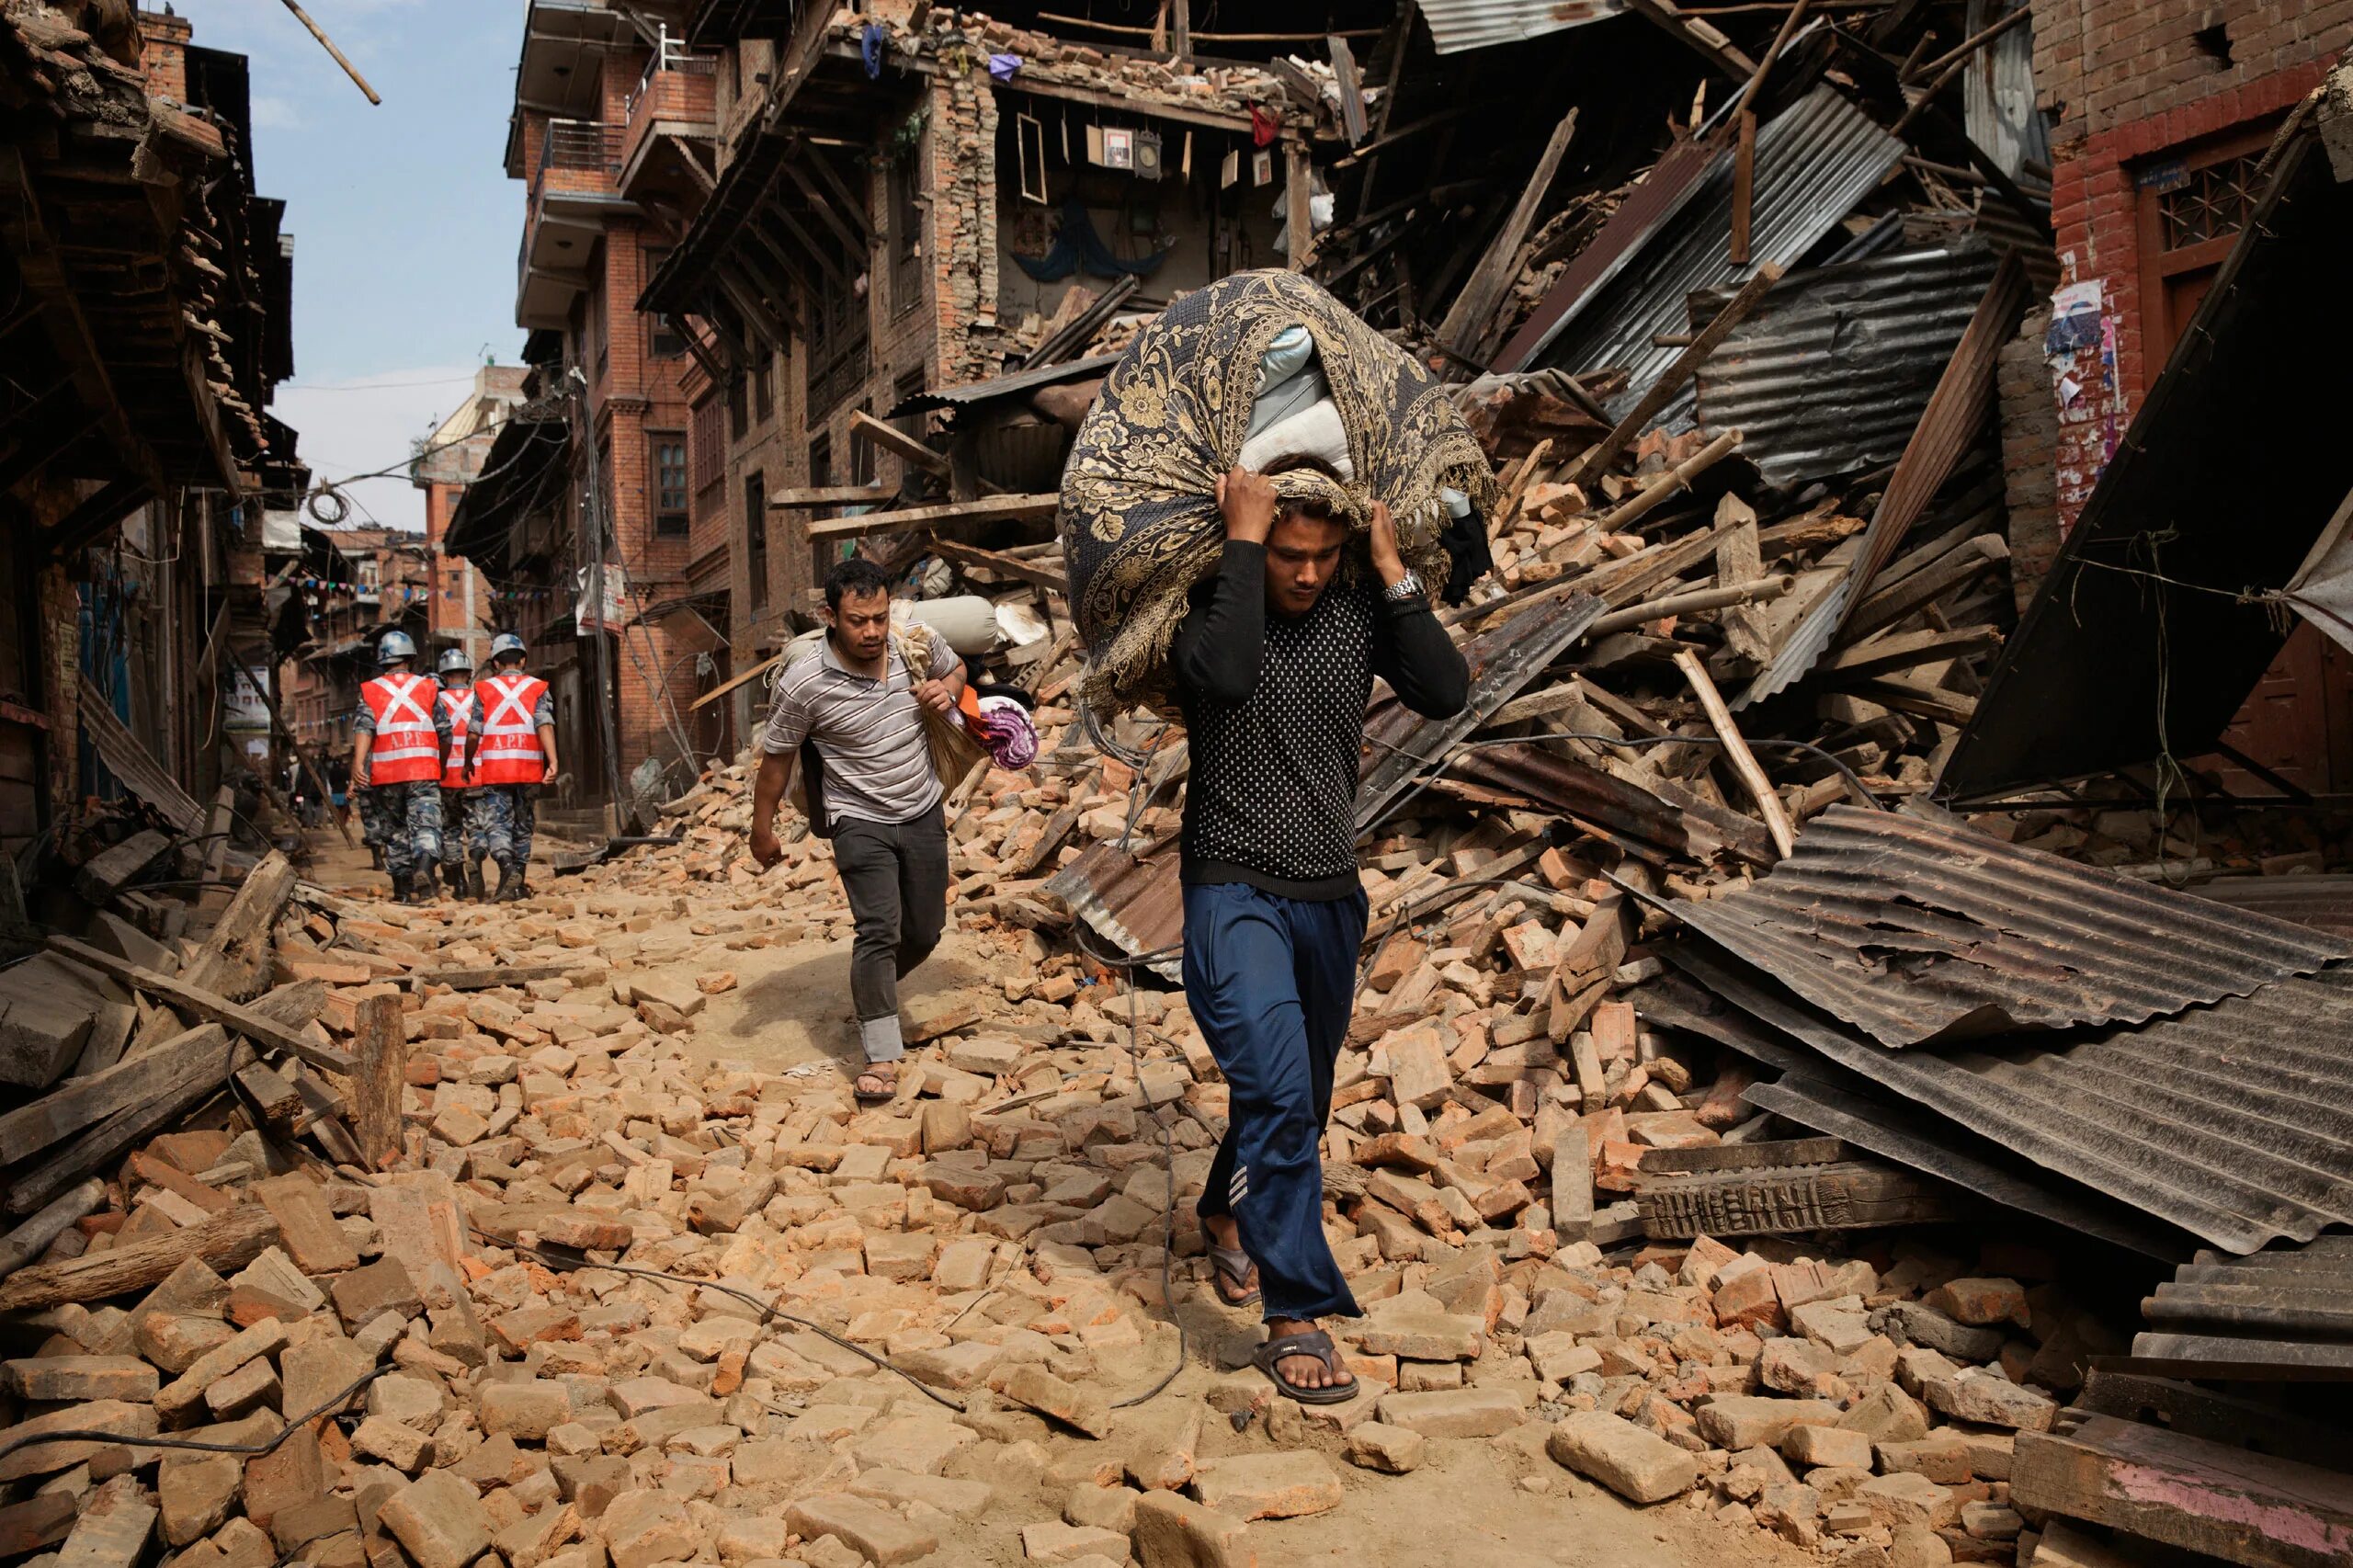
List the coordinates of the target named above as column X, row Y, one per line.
column 896, row 877
column 1271, row 981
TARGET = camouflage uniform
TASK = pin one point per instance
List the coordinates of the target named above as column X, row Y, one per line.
column 405, row 818
column 508, row 813
column 461, row 826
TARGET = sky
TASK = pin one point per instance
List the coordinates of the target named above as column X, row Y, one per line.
column 405, row 222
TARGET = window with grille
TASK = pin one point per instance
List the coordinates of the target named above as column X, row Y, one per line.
column 836, row 352
column 670, row 493
column 2211, row 203
column 906, row 232
column 707, row 448
column 756, row 539
column 763, row 388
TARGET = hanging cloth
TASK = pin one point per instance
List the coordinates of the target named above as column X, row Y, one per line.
column 1264, row 127
column 870, row 47
column 1077, row 246
column 1003, row 66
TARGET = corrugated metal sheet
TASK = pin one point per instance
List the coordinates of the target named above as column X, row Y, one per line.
column 1832, row 372
column 1401, row 744
column 1686, row 827
column 2326, row 903
column 1815, row 161
column 2233, row 1121
column 1913, row 931
column 1997, row 91
column 1801, row 649
column 1458, row 25
column 1826, row 1097
column 1136, row 905
column 2285, row 1313
column 1672, row 182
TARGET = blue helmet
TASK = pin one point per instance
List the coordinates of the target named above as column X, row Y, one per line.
column 456, row 662
column 505, row 643
column 396, row 645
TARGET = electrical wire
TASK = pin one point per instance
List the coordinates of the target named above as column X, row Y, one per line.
column 90, row 1435
column 770, row 1311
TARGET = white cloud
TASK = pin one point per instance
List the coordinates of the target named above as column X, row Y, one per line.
column 276, row 114
column 366, row 424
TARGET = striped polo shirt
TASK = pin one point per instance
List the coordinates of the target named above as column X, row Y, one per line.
column 877, row 767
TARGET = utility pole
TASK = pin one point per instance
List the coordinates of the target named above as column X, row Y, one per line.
column 592, row 548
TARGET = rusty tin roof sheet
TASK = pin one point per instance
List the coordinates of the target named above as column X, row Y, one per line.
column 2233, row 1121
column 2322, row 903
column 1138, row 905
column 1911, row 931
column 1834, row 372
column 2287, row 1313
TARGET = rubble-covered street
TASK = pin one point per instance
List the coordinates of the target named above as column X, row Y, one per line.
column 1841, row 509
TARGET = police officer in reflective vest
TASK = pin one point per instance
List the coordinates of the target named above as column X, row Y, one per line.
column 396, row 760
column 512, row 753
column 464, row 837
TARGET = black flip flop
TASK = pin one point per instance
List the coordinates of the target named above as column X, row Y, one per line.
column 1315, row 1343
column 1232, row 1265
column 867, row 1071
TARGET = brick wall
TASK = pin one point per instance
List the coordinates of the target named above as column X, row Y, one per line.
column 162, row 54
column 2129, row 83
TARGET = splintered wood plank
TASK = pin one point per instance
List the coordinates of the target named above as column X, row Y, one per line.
column 199, row 1053
column 311, row 1235
column 2254, row 1509
column 381, row 1042
column 228, row 1243
column 251, row 1022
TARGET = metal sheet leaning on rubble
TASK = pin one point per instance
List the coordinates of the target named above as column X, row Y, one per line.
column 2177, row 1117
column 1912, row 931
column 1821, row 1094
column 1402, row 745
column 2275, row 1315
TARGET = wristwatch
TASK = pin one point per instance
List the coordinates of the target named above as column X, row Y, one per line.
column 1406, row 589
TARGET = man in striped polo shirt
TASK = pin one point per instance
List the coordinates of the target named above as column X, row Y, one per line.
column 862, row 706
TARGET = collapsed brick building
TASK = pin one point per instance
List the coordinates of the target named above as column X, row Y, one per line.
column 148, row 326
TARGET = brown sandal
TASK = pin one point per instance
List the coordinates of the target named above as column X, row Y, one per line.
column 886, row 1074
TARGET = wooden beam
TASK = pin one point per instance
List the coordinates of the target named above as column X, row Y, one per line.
column 1299, row 225
column 854, row 240
column 79, row 1102
column 226, row 1243
column 864, row 427
column 1004, row 565
column 989, row 508
column 1671, row 380
column 1351, row 86
column 1696, row 34
column 1744, row 181
column 262, row 1031
column 813, row 495
column 2257, row 1509
column 1743, row 761
column 117, row 500
column 1472, row 315
column 1907, row 649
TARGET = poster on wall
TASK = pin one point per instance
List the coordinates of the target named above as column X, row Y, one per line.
column 245, row 710
column 1030, row 141
column 1262, row 167
column 1119, row 149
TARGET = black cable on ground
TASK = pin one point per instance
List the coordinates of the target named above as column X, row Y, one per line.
column 84, row 1435
column 771, row 1313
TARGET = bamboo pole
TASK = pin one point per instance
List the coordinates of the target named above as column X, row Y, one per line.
column 1743, row 761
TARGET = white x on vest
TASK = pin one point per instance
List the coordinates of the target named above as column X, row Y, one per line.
column 507, row 714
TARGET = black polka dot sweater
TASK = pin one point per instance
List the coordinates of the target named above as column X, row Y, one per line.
column 1274, row 708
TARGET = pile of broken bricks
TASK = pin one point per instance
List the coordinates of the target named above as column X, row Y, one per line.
column 995, row 1233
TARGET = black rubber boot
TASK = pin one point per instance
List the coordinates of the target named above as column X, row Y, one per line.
column 423, row 891
column 376, row 856
column 401, row 888
column 510, row 883
column 474, row 889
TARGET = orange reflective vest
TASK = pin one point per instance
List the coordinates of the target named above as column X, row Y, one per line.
column 509, row 751
column 406, row 747
column 459, row 706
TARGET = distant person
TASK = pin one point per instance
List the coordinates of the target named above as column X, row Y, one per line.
column 465, row 834
column 1273, row 664
column 512, row 756
column 860, row 702
column 398, row 752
